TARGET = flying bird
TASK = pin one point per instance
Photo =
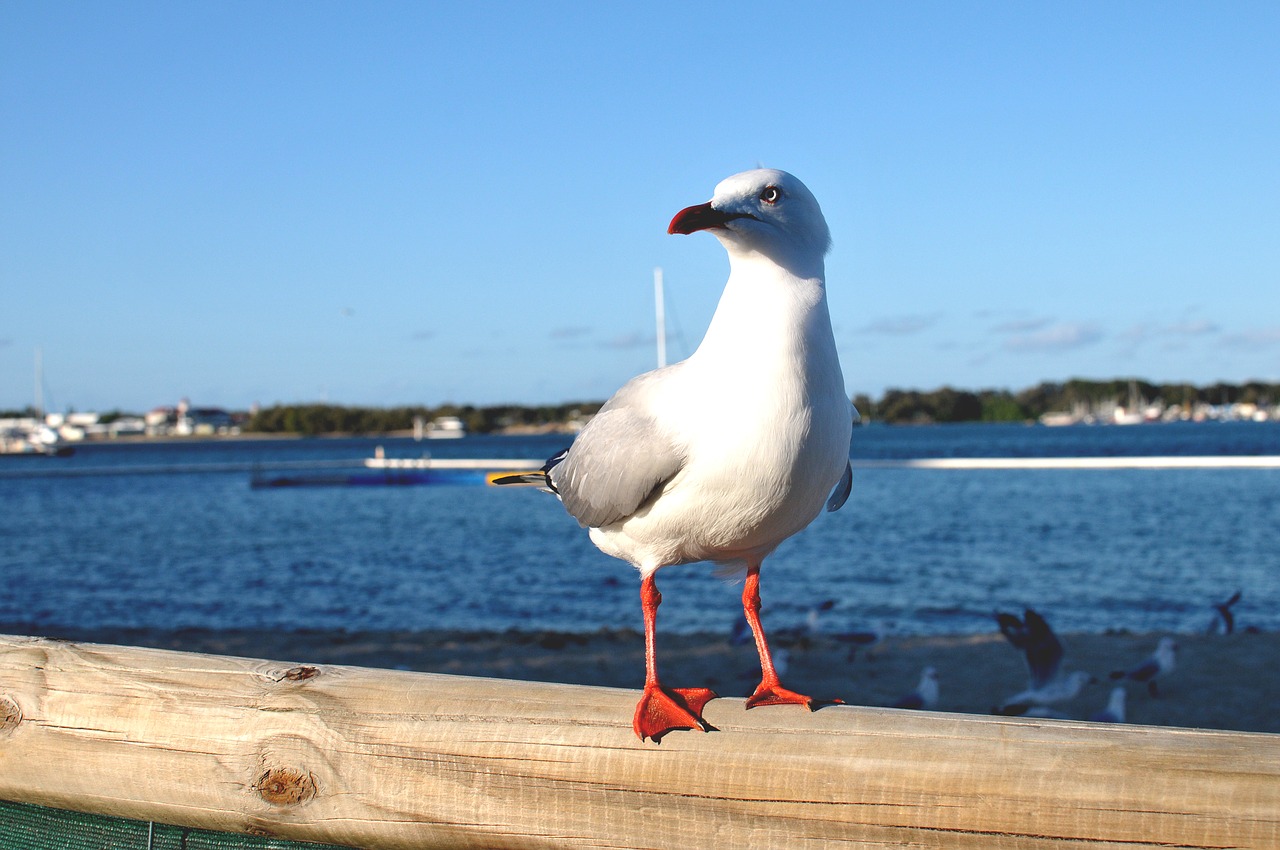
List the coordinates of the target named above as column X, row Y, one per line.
column 724, row 455
column 1040, row 646
column 925, row 696
column 1159, row 663
column 1224, row 619
column 1047, row 682
column 1061, row 689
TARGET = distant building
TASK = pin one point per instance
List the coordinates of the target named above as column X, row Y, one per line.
column 203, row 422
column 183, row 420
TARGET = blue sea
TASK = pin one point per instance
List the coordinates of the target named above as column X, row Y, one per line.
column 171, row 535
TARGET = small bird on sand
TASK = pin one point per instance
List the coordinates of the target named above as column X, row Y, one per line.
column 925, row 696
column 1114, row 712
column 726, row 454
column 1160, row 663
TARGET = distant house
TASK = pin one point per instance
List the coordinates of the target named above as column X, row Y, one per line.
column 203, row 422
column 159, row 420
column 187, row 421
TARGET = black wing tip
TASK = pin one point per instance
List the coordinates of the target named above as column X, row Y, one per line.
column 519, row 478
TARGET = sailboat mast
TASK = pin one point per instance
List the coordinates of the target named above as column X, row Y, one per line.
column 661, row 317
column 39, row 385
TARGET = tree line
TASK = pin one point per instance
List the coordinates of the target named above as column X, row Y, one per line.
column 313, row 419
column 898, row 406
column 952, row 405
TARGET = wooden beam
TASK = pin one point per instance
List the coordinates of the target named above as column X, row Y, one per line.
column 388, row 759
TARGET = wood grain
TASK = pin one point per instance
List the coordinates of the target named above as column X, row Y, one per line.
column 388, row 759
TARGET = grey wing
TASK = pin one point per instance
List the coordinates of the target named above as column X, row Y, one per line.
column 1145, row 671
column 843, row 489
column 616, row 463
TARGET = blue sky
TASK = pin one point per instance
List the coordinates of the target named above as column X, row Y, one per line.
column 426, row 202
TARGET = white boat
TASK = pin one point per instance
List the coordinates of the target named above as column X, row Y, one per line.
column 31, row 437
column 1057, row 419
column 440, row 428
column 381, row 461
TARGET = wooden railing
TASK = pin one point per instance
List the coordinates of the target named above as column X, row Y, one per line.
column 387, row 759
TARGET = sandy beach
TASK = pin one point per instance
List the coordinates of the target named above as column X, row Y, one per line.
column 1221, row 681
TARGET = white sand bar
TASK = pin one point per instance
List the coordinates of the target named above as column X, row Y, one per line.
column 1201, row 462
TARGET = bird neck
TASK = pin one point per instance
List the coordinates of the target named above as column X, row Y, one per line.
column 768, row 312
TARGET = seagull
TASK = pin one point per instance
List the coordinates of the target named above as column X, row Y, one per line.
column 1048, row 682
column 803, row 635
column 1114, row 712
column 1058, row 690
column 1039, row 644
column 1159, row 663
column 724, row 455
column 925, row 695
column 1224, row 619
column 861, row 639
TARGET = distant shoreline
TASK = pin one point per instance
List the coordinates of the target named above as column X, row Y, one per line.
column 514, row 431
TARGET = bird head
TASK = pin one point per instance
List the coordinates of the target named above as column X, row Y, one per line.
column 764, row 211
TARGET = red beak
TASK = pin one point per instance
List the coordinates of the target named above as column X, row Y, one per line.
column 701, row 217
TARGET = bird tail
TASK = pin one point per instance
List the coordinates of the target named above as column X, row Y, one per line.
column 520, row 479
column 538, row 478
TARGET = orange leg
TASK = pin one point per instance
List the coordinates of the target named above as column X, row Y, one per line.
column 770, row 690
column 663, row 709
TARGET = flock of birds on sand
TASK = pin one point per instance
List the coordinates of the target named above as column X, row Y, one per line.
column 1050, row 682
column 726, row 454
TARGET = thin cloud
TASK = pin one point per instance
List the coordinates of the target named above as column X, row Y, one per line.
column 1063, row 336
column 1022, row 326
column 900, row 325
column 629, row 340
column 1253, row 339
column 574, row 332
column 423, row 336
column 5, row 342
column 1200, row 327
column 1135, row 336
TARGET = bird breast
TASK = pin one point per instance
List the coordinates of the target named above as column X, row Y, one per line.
column 765, row 440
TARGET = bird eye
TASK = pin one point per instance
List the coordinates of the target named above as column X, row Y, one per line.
column 771, row 194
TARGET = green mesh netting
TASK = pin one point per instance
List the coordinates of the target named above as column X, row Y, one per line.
column 26, row 827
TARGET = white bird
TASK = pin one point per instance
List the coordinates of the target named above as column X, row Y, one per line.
column 1114, row 712
column 1159, row 663
column 925, row 695
column 1063, row 688
column 724, row 455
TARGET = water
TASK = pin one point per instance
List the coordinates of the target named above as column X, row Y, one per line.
column 913, row 551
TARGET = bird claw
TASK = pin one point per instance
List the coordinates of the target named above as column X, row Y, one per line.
column 775, row 694
column 662, row 710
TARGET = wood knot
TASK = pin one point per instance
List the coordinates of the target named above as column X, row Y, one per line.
column 301, row 674
column 285, row 786
column 10, row 715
